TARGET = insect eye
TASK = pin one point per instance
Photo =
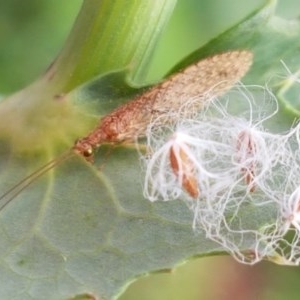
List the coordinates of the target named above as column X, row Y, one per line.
column 88, row 152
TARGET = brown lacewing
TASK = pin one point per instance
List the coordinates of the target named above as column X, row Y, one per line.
column 217, row 74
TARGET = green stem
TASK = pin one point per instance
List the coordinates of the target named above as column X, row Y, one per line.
column 110, row 35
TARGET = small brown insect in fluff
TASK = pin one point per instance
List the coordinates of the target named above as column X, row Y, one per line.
column 215, row 74
column 184, row 170
column 246, row 149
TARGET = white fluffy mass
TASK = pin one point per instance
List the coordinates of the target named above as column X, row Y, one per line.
column 228, row 167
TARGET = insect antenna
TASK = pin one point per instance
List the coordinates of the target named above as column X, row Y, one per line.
column 13, row 192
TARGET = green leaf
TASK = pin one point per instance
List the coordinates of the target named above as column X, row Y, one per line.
column 263, row 33
column 82, row 229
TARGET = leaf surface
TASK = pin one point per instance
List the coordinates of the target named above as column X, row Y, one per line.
column 87, row 230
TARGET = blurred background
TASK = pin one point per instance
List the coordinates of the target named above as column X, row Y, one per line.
column 31, row 34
